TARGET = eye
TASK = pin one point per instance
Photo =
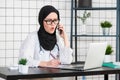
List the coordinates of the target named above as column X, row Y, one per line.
column 56, row 20
column 48, row 20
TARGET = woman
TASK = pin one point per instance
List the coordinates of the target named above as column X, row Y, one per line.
column 49, row 46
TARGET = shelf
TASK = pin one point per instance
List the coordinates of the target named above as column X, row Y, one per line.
column 114, row 7
column 75, row 34
column 96, row 35
column 96, row 8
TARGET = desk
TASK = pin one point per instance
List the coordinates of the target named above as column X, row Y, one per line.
column 48, row 72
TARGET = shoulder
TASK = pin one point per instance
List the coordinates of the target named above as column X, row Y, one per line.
column 32, row 35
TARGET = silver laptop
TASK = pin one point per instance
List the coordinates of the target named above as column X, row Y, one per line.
column 94, row 59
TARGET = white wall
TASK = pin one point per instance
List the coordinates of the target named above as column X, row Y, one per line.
column 19, row 17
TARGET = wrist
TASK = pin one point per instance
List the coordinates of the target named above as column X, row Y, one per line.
column 43, row 63
column 66, row 42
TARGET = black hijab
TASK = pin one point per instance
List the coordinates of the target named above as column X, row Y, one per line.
column 46, row 40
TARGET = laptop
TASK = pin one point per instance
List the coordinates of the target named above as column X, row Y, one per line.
column 94, row 59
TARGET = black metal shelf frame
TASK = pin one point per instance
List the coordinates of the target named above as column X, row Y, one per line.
column 117, row 35
column 74, row 10
column 96, row 8
column 96, row 35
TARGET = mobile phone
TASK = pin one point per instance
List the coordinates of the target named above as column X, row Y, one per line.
column 60, row 31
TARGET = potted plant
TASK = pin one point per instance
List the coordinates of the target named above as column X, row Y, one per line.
column 106, row 25
column 108, row 53
column 84, row 18
column 23, row 68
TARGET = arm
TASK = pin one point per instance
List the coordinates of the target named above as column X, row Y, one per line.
column 27, row 50
column 65, row 50
column 63, row 34
column 51, row 63
column 31, row 51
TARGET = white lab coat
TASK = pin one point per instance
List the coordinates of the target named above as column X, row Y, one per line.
column 31, row 50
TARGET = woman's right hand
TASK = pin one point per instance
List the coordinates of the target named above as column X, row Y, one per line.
column 51, row 63
column 63, row 34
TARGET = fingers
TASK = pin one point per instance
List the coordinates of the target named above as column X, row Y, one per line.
column 54, row 62
column 60, row 26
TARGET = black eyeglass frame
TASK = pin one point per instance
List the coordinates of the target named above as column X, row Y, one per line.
column 49, row 21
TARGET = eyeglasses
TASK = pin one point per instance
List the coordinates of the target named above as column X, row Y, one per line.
column 50, row 21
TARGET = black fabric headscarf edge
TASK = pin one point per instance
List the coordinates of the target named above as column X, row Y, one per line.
column 46, row 40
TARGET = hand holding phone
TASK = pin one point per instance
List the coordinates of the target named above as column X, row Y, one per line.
column 60, row 31
column 63, row 34
column 60, row 28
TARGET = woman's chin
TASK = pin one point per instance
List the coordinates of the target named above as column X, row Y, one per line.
column 51, row 32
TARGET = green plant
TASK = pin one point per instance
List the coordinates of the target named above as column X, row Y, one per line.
column 84, row 16
column 22, row 61
column 106, row 24
column 109, row 50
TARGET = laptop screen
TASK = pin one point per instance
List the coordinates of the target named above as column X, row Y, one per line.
column 95, row 55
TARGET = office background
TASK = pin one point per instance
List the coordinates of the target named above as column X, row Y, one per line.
column 20, row 17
